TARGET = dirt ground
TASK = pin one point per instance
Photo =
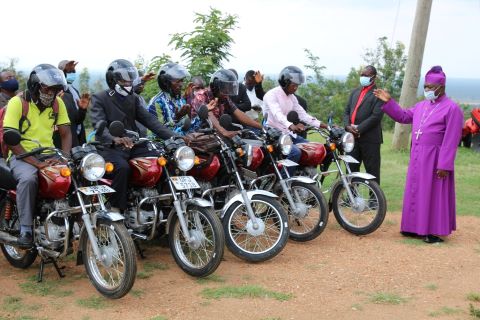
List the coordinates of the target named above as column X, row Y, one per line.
column 336, row 276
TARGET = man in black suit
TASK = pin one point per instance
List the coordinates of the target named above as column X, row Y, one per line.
column 241, row 100
column 362, row 117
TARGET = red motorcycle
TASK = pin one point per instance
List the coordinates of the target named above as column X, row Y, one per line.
column 160, row 192
column 358, row 202
column 105, row 246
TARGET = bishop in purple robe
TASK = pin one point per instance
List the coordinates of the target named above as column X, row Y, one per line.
column 429, row 198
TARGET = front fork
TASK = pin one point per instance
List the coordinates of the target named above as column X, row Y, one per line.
column 345, row 182
column 293, row 206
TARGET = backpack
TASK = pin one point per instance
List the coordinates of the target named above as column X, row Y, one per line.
column 23, row 118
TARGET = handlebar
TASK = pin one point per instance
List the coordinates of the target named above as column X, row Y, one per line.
column 36, row 151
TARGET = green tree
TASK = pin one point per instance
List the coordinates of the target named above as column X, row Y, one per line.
column 208, row 44
column 84, row 79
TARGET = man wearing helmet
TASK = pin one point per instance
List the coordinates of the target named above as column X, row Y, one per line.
column 223, row 84
column 45, row 110
column 120, row 103
column 279, row 101
column 168, row 104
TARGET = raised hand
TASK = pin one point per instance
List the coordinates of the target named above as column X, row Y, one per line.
column 84, row 101
column 258, row 77
column 382, row 95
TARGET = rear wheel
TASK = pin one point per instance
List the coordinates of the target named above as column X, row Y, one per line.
column 202, row 256
column 367, row 213
column 259, row 244
column 312, row 217
column 9, row 223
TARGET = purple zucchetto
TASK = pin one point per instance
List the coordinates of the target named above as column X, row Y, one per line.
column 436, row 76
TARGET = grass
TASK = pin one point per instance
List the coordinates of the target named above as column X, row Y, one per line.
column 414, row 242
column 143, row 275
column 357, row 307
column 394, row 169
column 247, row 291
column 211, row 278
column 137, row 293
column 474, row 296
column 431, row 286
column 445, row 311
column 93, row 302
column 387, row 298
column 474, row 312
column 150, row 266
column 44, row 288
column 158, row 318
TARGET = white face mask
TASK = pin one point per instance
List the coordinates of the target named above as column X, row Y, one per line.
column 123, row 91
column 430, row 95
column 365, row 81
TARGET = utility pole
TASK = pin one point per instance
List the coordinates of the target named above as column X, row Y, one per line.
column 408, row 96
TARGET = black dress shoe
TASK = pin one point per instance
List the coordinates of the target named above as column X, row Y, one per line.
column 409, row 234
column 432, row 239
column 25, row 240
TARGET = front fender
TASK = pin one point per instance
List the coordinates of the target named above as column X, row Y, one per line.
column 109, row 216
column 199, row 202
column 302, row 179
column 250, row 194
column 362, row 175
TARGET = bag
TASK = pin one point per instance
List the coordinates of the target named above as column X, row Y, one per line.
column 203, row 143
column 23, row 118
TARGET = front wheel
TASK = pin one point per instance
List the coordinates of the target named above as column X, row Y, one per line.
column 202, row 255
column 368, row 211
column 9, row 222
column 260, row 244
column 312, row 212
column 114, row 275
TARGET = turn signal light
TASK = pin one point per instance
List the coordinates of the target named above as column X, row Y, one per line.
column 109, row 167
column 240, row 152
column 65, row 172
column 196, row 161
column 162, row 161
column 270, row 148
column 333, row 146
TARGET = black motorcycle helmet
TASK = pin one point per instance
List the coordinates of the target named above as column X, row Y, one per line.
column 168, row 73
column 121, row 72
column 45, row 75
column 224, row 82
column 291, row 74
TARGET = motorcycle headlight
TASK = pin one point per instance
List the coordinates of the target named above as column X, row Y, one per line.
column 92, row 167
column 249, row 153
column 348, row 142
column 185, row 158
column 285, row 144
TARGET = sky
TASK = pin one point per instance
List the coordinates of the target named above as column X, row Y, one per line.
column 271, row 34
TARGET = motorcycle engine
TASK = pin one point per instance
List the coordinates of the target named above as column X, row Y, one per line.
column 144, row 217
column 56, row 232
column 308, row 172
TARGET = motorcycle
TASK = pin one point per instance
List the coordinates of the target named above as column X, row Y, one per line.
column 254, row 222
column 195, row 233
column 67, row 195
column 304, row 203
column 357, row 201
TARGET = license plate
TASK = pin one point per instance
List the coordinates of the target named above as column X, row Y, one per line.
column 349, row 159
column 184, row 182
column 95, row 190
column 287, row 163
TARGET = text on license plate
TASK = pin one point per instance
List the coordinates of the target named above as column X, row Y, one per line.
column 95, row 190
column 184, row 182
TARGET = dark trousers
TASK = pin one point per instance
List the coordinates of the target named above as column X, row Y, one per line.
column 121, row 173
column 369, row 154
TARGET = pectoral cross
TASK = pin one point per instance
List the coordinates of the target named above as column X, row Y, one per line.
column 418, row 133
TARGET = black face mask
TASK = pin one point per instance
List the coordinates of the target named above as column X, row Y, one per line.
column 10, row 85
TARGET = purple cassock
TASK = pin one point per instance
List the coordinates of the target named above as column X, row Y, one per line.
column 429, row 201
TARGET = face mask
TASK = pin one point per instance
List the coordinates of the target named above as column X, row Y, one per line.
column 46, row 98
column 123, row 91
column 365, row 81
column 71, row 77
column 10, row 85
column 430, row 95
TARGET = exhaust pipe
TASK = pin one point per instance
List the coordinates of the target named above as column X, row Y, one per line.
column 8, row 239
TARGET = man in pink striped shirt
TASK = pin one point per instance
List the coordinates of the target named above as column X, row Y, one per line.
column 279, row 101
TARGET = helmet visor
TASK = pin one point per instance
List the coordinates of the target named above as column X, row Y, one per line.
column 52, row 77
column 229, row 88
column 127, row 74
column 297, row 77
column 178, row 72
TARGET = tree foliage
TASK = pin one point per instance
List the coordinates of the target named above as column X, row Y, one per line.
column 84, row 80
column 208, row 44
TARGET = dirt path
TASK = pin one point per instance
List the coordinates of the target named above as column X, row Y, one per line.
column 336, row 276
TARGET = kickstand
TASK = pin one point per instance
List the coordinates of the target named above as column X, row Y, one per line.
column 42, row 267
column 139, row 249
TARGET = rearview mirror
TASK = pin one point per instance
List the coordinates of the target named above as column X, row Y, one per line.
column 12, row 137
column 116, row 129
column 292, row 116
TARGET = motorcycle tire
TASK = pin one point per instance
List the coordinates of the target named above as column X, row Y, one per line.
column 371, row 197
column 205, row 259
column 240, row 236
column 312, row 225
column 18, row 258
column 115, row 243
